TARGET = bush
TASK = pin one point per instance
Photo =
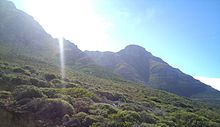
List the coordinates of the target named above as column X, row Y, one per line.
column 19, row 80
column 188, row 119
column 146, row 125
column 49, row 77
column 77, row 93
column 111, row 96
column 27, row 91
column 38, row 83
column 29, row 68
column 82, row 104
column 56, row 81
column 5, row 97
column 102, row 109
column 21, row 70
column 50, row 108
column 71, row 85
column 132, row 106
column 50, row 92
column 81, row 119
column 125, row 118
column 148, row 118
column 5, row 94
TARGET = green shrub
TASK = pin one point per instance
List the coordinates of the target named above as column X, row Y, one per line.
column 148, row 118
column 155, row 99
column 38, row 83
column 111, row 96
column 50, row 108
column 214, row 116
column 132, row 106
column 56, row 81
column 5, row 98
column 102, row 109
column 21, row 70
column 148, row 103
column 71, row 85
column 126, row 118
column 52, row 93
column 82, row 104
column 49, row 92
column 146, row 125
column 81, row 119
column 27, row 91
column 59, row 83
column 188, row 119
column 30, row 69
column 18, row 80
column 5, row 94
column 50, row 77
column 67, row 98
column 77, row 93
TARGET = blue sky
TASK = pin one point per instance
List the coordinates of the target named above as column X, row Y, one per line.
column 184, row 33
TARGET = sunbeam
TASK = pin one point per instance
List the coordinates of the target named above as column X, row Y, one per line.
column 62, row 61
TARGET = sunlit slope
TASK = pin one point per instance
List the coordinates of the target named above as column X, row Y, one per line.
column 23, row 39
column 21, row 36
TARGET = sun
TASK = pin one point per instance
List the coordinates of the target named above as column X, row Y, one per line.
column 75, row 20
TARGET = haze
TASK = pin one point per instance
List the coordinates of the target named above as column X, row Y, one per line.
column 184, row 33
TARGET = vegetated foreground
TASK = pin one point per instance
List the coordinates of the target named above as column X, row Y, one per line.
column 37, row 91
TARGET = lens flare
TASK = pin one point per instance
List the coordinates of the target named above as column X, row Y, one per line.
column 62, row 61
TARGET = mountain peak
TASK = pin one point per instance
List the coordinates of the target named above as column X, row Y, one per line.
column 135, row 50
column 133, row 46
column 6, row 4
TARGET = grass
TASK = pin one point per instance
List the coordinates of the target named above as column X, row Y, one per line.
column 85, row 100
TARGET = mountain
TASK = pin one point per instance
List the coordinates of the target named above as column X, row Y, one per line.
column 94, row 92
column 136, row 64
column 25, row 40
column 23, row 37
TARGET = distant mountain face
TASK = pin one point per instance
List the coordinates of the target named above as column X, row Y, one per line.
column 20, row 32
column 134, row 63
column 23, row 37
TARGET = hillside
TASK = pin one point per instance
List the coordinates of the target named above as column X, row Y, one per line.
column 26, row 38
column 21, row 35
column 136, row 64
column 37, row 95
column 92, row 94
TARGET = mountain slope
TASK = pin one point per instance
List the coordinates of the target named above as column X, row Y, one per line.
column 33, row 94
column 134, row 63
column 23, row 37
column 20, row 34
column 40, row 98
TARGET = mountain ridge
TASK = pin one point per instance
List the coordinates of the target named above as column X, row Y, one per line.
column 34, row 94
column 150, row 70
column 28, row 38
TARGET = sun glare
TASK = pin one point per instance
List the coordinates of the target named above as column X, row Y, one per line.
column 62, row 60
column 75, row 20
